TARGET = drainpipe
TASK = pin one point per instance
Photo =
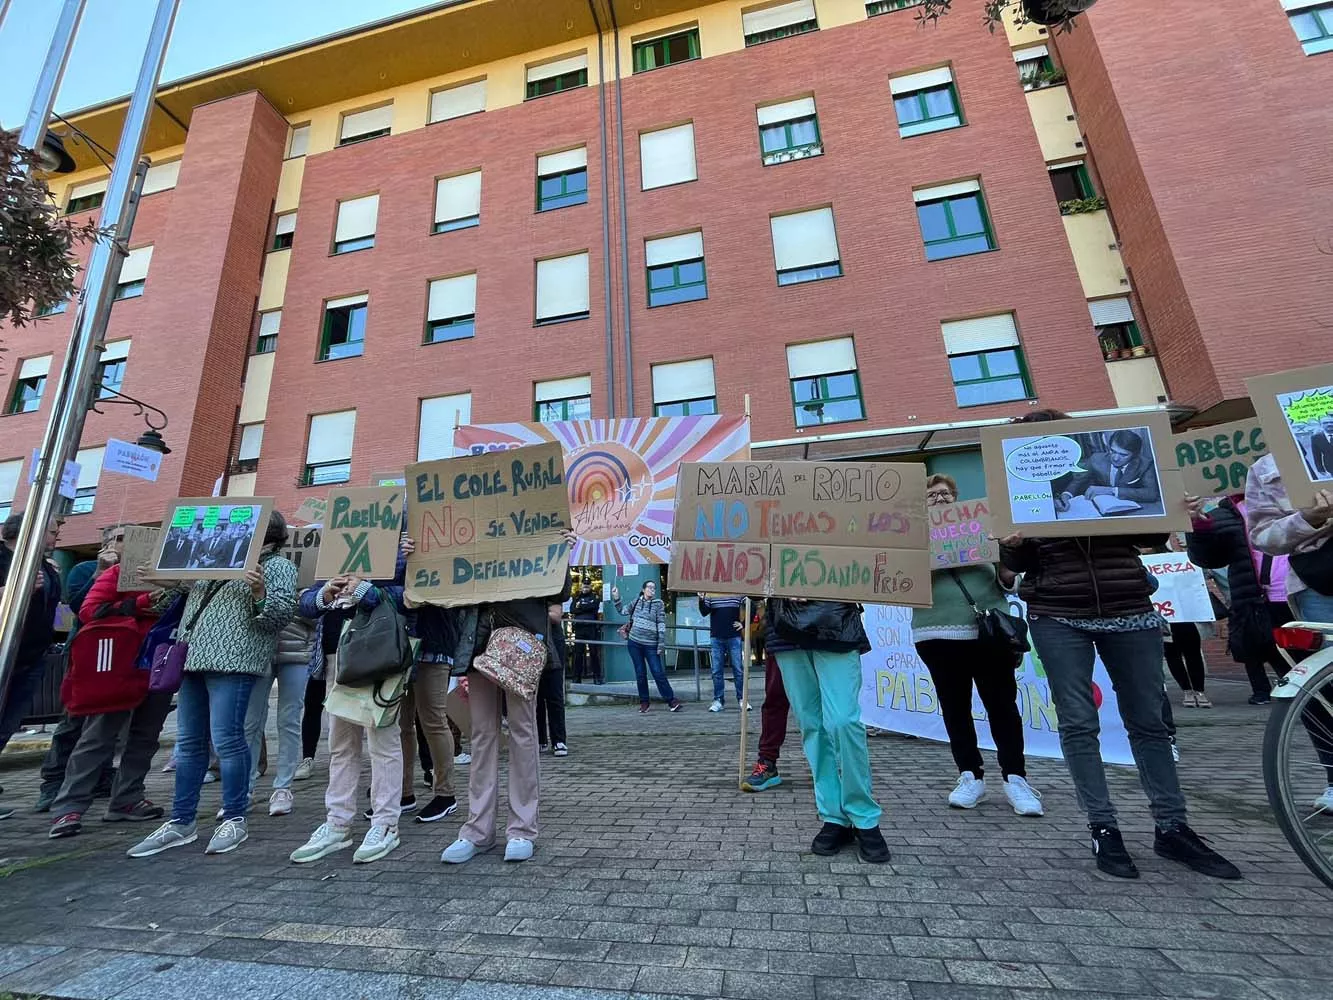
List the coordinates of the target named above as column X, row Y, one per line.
column 624, row 222
column 606, row 217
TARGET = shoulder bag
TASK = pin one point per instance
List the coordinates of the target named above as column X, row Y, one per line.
column 374, row 646
column 1315, row 569
column 168, row 669
column 514, row 660
column 1005, row 633
column 833, row 626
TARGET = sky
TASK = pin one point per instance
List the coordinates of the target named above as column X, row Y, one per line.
column 112, row 34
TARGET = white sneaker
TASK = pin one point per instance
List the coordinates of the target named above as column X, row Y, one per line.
column 460, row 851
column 748, row 706
column 323, row 842
column 1325, row 802
column 305, row 769
column 716, row 706
column 463, row 758
column 280, row 802
column 1025, row 799
column 518, row 849
column 380, row 840
column 968, row 792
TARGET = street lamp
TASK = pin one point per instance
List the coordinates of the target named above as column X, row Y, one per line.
column 151, row 438
column 1052, row 12
column 52, row 156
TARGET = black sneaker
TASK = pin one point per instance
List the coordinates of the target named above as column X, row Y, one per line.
column 408, row 804
column 1260, row 699
column 1112, row 857
column 438, row 808
column 428, row 778
column 870, row 844
column 46, row 798
column 832, row 838
column 1182, row 844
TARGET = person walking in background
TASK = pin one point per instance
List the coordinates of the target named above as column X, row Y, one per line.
column 645, row 633
column 727, row 643
column 291, row 671
column 232, row 628
column 587, row 611
column 772, row 731
column 551, row 692
column 947, row 641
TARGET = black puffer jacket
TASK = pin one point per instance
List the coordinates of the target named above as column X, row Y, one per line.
column 1095, row 577
column 1219, row 542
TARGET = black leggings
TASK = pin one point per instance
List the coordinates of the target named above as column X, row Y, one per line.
column 955, row 665
column 1184, row 656
column 312, row 720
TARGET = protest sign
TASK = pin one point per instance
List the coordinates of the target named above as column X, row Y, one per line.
column 834, row 530
column 1182, row 591
column 897, row 693
column 621, row 475
column 1296, row 411
column 311, row 511
column 302, row 549
column 1214, row 461
column 1091, row 476
column 488, row 527
column 960, row 535
column 361, row 532
column 136, row 558
column 131, row 460
column 211, row 538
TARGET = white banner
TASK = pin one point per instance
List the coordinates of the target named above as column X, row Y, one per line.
column 897, row 693
column 69, row 479
column 1182, row 591
column 131, row 460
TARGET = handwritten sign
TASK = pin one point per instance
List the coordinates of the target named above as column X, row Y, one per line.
column 833, row 530
column 1215, row 460
column 960, row 535
column 136, row 558
column 1296, row 410
column 488, row 527
column 311, row 511
column 1182, row 591
column 302, row 549
column 131, row 460
column 361, row 531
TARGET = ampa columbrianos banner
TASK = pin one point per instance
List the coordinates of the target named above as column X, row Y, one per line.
column 621, row 475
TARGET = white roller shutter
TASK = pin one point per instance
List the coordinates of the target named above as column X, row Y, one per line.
column 985, row 333
column 778, row 16
column 1031, row 52
column 286, row 224
column 269, row 323
column 136, row 264
column 9, row 479
column 455, row 102
column 439, row 416
column 89, row 188
column 558, row 163
column 161, row 177
column 252, row 439
column 458, row 197
column 331, row 437
column 298, row 142
column 356, row 218
column 824, row 357
column 946, row 191
column 667, row 156
column 570, row 64
column 360, row 123
column 563, row 388
column 804, row 239
column 452, row 297
column 90, row 466
column 347, row 300
column 771, row 114
column 562, row 286
column 683, row 380
column 35, row 367
column 117, row 350
column 1104, row 312
column 921, row 81
column 670, row 249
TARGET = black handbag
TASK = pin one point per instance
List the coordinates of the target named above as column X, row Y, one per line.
column 833, row 626
column 1250, row 626
column 1007, row 634
column 1315, row 568
column 374, row 646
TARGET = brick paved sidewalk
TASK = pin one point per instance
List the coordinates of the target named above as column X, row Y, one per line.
column 653, row 875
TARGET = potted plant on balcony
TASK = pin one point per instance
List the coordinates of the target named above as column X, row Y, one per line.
column 1045, row 12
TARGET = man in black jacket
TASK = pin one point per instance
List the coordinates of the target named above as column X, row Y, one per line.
column 587, row 610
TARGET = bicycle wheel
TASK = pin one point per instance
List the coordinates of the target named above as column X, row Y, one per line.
column 1298, row 769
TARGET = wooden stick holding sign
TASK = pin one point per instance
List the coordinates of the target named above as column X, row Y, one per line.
column 745, row 687
column 361, row 533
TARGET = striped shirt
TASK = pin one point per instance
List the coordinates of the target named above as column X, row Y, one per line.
column 723, row 611
column 647, row 621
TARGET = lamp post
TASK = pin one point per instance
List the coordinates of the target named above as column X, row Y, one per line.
column 48, row 82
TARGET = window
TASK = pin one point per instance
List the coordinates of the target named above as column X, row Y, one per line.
column 1034, row 66
column 161, row 177
column 284, row 229
column 875, row 7
column 562, row 288
column 54, row 309
column 328, row 456
column 776, row 21
column 269, row 322
column 344, row 332
column 355, row 229
column 9, row 485
column 439, row 416
column 953, row 220
column 86, row 197
column 457, row 101
column 825, row 385
column 926, row 102
column 111, row 368
column 684, row 389
column 562, row 179
column 789, row 131
column 805, row 246
column 1312, row 20
column 247, row 453
column 28, row 388
column 457, row 202
column 1071, row 182
column 133, row 273
column 358, row 126
column 553, row 77
column 676, row 269
column 666, row 50
column 298, row 141
column 563, row 399
column 1117, row 332
column 986, row 361
column 451, row 309
column 667, row 156
column 90, row 471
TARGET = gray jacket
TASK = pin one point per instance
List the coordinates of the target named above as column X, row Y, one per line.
column 294, row 643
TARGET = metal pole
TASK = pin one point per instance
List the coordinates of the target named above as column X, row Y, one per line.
column 48, row 82
column 73, row 392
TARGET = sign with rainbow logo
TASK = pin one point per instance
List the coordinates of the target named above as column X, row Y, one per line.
column 621, row 475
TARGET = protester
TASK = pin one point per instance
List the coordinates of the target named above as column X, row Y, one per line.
column 727, row 642
column 232, row 628
column 772, row 731
column 645, row 634
column 428, row 700
column 1092, row 596
column 946, row 638
column 1183, row 649
column 551, row 692
column 587, row 610
column 291, row 671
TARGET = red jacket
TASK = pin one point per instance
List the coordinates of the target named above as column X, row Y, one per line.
column 105, row 590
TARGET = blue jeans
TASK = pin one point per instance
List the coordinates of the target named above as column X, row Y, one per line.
column 212, row 703
column 721, row 649
column 1312, row 606
column 292, row 679
column 640, row 653
column 23, row 685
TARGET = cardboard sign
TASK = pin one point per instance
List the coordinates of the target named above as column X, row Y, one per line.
column 960, row 535
column 361, row 531
column 211, row 538
column 311, row 511
column 1296, row 411
column 131, row 460
column 302, row 549
column 1214, row 461
column 136, row 558
column 1182, row 591
column 488, row 527
column 833, row 530
column 1091, row 476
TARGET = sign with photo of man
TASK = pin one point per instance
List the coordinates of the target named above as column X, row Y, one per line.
column 211, row 538
column 1296, row 410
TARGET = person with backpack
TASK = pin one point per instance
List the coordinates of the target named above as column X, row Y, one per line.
column 645, row 634
column 231, row 627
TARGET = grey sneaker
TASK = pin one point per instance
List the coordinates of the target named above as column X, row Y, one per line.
column 323, row 842
column 170, row 834
column 227, row 836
